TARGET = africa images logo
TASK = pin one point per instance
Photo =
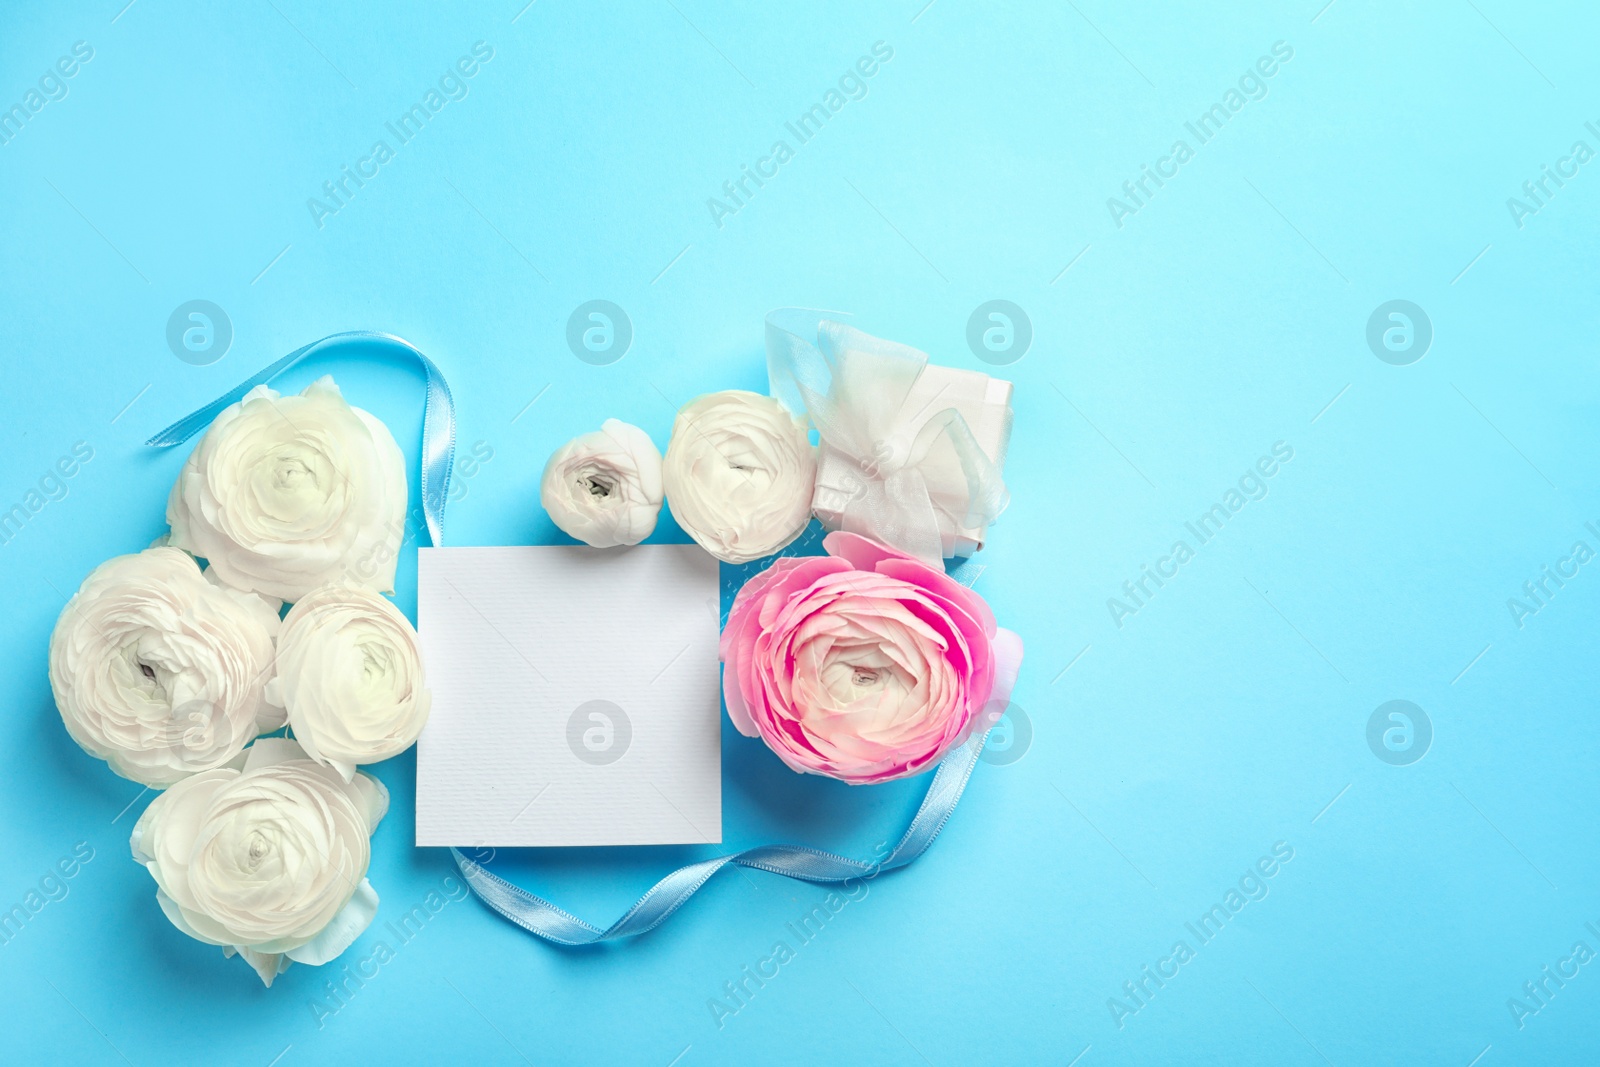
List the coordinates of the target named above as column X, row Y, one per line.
column 1252, row 85
column 1252, row 485
column 52, row 87
column 453, row 84
column 199, row 332
column 1252, row 886
column 1529, row 202
column 852, row 84
column 1399, row 733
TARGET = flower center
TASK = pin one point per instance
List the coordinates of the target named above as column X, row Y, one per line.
column 290, row 471
column 293, row 474
column 864, row 676
column 377, row 660
column 149, row 681
column 257, row 849
column 382, row 678
column 597, row 485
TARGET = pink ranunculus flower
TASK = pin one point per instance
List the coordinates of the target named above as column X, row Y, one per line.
column 864, row 665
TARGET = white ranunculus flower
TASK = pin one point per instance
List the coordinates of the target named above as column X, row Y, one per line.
column 160, row 672
column 604, row 488
column 739, row 474
column 349, row 672
column 266, row 857
column 285, row 493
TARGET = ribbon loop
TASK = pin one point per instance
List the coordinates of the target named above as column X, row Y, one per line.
column 438, row 417
column 908, row 478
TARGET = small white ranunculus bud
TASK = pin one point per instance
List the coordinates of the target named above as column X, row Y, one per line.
column 604, row 488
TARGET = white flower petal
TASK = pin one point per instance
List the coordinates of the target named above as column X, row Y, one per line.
column 176, row 916
column 267, row 964
column 351, row 922
column 269, row 751
column 373, row 799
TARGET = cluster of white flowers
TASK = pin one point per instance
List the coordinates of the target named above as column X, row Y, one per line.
column 739, row 475
column 171, row 674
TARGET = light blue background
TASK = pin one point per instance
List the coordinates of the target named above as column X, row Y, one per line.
column 1224, row 316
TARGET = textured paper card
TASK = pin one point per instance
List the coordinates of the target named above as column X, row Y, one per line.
column 576, row 698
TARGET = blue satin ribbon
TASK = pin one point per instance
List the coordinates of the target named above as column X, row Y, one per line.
column 543, row 919
column 438, row 417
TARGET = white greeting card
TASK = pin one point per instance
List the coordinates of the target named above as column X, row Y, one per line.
column 576, row 698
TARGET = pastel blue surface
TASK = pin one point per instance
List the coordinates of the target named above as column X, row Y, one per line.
column 1177, row 339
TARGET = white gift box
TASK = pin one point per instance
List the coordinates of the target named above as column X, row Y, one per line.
column 985, row 404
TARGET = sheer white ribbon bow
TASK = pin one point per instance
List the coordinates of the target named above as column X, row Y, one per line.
column 900, row 468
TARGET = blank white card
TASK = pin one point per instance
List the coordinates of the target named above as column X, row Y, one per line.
column 576, row 696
